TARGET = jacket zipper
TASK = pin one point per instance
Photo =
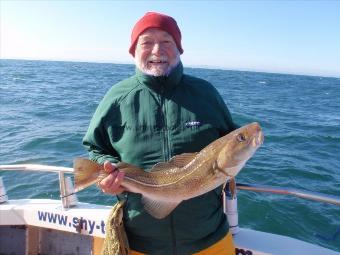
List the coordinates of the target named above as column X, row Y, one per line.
column 166, row 147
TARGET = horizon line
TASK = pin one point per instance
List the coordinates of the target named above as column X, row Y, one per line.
column 337, row 76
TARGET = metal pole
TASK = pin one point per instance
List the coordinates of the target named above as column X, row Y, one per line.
column 230, row 205
column 36, row 167
column 3, row 194
column 291, row 192
column 62, row 185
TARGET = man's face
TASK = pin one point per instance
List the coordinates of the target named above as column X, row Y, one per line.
column 156, row 52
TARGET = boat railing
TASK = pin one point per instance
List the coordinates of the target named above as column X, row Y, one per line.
column 69, row 199
column 230, row 198
column 67, row 194
column 291, row 192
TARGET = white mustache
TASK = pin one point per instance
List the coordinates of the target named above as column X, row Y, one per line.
column 160, row 58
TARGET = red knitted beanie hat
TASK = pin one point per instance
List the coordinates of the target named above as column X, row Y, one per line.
column 155, row 20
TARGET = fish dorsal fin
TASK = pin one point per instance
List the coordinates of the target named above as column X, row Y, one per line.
column 128, row 168
column 158, row 209
column 175, row 163
column 182, row 159
column 163, row 166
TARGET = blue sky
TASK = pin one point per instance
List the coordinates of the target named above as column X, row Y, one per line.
column 301, row 37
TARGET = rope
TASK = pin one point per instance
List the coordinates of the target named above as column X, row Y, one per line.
column 116, row 242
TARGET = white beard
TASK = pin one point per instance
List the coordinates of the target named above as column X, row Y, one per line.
column 157, row 72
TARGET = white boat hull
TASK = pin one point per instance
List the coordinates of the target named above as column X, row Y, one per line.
column 43, row 226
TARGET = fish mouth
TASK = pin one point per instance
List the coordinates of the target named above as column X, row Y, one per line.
column 258, row 139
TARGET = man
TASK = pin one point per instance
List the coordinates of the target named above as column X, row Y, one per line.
column 150, row 117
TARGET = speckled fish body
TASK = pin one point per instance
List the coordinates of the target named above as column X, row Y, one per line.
column 185, row 176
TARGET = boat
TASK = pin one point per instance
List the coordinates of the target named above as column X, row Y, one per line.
column 67, row 226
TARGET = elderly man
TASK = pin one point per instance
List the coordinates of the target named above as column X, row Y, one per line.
column 150, row 117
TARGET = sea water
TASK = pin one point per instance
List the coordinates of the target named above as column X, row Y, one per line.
column 46, row 106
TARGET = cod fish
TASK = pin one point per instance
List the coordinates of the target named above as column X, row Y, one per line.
column 184, row 176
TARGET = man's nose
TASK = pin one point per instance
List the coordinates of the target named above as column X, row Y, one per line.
column 157, row 48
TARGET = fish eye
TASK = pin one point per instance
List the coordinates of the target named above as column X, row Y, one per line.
column 241, row 137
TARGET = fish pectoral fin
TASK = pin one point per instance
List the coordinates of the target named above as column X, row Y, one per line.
column 85, row 173
column 182, row 159
column 158, row 209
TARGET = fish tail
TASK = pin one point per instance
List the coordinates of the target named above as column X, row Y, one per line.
column 86, row 173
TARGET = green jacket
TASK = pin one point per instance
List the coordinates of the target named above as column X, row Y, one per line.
column 144, row 120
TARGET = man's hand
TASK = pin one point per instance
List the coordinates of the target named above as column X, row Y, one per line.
column 112, row 183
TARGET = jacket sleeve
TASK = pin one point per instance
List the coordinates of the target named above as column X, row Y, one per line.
column 228, row 124
column 98, row 138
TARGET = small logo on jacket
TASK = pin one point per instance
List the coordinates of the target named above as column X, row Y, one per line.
column 192, row 124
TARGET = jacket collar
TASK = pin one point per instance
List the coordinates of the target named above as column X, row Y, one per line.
column 162, row 83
